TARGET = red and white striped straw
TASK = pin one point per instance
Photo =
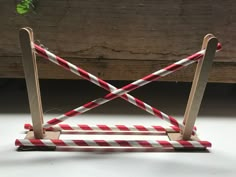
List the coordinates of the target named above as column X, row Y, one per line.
column 113, row 150
column 101, row 83
column 105, row 129
column 132, row 86
column 114, row 143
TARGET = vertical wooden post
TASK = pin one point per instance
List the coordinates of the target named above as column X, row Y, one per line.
column 204, row 45
column 199, row 85
column 31, row 77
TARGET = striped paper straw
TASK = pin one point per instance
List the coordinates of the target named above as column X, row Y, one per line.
column 105, row 129
column 99, row 82
column 132, row 86
column 114, row 143
column 113, row 150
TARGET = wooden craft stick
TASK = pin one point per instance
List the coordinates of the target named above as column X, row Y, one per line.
column 199, row 85
column 204, row 45
column 31, row 77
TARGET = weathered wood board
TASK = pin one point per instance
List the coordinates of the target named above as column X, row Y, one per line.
column 121, row 40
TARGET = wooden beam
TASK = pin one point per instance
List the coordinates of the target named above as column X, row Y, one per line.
column 115, row 69
column 122, row 35
column 31, row 77
column 199, row 85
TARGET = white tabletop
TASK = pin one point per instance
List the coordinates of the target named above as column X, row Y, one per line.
column 216, row 123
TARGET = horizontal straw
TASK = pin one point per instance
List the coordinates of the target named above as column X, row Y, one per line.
column 132, row 86
column 105, row 129
column 99, row 82
column 113, row 150
column 113, row 143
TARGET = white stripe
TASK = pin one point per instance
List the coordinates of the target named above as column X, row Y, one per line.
column 91, row 143
column 26, row 142
column 165, row 117
column 94, row 79
column 188, row 63
column 134, row 144
column 73, row 69
column 165, row 72
column 111, row 87
column 155, row 143
column 82, row 109
column 100, row 101
column 176, row 144
column 141, row 82
column 181, row 62
column 48, row 142
column 63, row 117
column 149, row 109
column 132, row 100
column 70, row 143
column 52, row 57
column 113, row 143
column 196, row 144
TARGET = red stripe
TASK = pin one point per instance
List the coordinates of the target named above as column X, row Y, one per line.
column 145, row 143
column 40, row 51
column 104, row 127
column 50, row 129
column 104, row 84
column 28, row 126
column 157, row 113
column 58, row 142
column 125, row 97
column 130, row 87
column 173, row 121
column 101, row 143
column 140, row 104
column 62, row 62
column 84, row 74
column 165, row 143
column 140, row 128
column 205, row 143
column 173, row 67
column 90, row 105
column 123, row 143
column 54, row 121
column 37, row 142
column 158, row 128
column 18, row 143
column 80, row 142
column 110, row 96
column 219, row 46
column 84, row 127
column 195, row 56
column 175, row 128
column 122, row 127
column 71, row 113
column 65, row 127
column 151, row 77
column 186, row 143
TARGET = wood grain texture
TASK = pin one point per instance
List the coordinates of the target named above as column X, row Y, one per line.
column 31, row 77
column 145, row 31
column 199, row 85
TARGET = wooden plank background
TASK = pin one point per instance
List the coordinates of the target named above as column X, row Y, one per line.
column 123, row 39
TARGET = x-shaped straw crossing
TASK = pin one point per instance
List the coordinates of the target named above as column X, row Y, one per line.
column 114, row 92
